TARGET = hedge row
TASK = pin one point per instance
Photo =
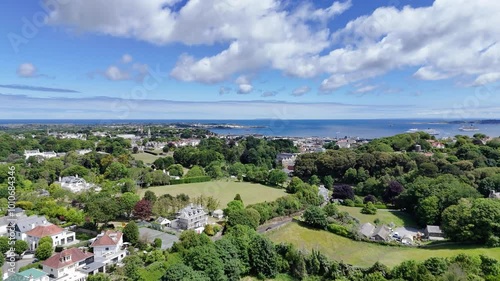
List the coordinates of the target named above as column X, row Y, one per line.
column 191, row 180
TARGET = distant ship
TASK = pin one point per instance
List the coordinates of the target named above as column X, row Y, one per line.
column 470, row 128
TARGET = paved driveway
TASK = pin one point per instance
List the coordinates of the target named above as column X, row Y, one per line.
column 19, row 264
column 150, row 235
column 407, row 231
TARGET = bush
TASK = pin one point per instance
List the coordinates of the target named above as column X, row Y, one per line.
column 349, row 203
column 191, row 180
column 493, row 241
column 369, row 209
column 339, row 230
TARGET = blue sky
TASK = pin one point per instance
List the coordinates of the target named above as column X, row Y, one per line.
column 240, row 59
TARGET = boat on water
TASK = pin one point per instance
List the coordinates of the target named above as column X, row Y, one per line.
column 413, row 130
column 470, row 128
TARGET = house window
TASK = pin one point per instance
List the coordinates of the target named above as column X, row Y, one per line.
column 107, row 249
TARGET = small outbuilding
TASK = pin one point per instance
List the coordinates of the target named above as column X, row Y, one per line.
column 218, row 214
column 433, row 232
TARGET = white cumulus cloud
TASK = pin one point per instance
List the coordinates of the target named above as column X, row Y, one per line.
column 26, row 70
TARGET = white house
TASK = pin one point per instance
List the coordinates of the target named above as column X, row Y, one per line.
column 36, row 152
column 59, row 235
column 83, row 151
column 192, row 217
column 218, row 214
column 24, row 225
column 108, row 247
column 70, row 265
column 163, row 221
column 75, row 184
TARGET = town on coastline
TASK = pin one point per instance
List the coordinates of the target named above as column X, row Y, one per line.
column 108, row 200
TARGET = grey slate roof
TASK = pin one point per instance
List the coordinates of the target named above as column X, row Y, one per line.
column 25, row 224
column 382, row 232
column 433, row 229
column 367, row 229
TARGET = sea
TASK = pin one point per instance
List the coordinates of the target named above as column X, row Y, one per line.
column 362, row 128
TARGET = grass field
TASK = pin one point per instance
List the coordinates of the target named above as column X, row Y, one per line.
column 385, row 216
column 145, row 157
column 363, row 253
column 223, row 190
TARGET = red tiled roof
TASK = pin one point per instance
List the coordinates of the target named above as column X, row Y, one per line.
column 45, row 230
column 109, row 238
column 57, row 261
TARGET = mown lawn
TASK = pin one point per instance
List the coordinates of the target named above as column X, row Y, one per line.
column 385, row 216
column 363, row 253
column 146, row 157
column 223, row 190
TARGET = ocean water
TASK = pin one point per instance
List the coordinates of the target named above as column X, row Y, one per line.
column 368, row 128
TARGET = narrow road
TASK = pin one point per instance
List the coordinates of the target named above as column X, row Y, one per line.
column 267, row 227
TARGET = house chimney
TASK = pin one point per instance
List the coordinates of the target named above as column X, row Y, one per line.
column 60, row 179
column 76, row 176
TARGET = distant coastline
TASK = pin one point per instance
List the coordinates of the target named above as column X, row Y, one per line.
column 362, row 128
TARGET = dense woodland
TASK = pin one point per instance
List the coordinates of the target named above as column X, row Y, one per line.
column 447, row 187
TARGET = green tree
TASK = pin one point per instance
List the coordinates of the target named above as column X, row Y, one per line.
column 328, row 181
column 182, row 272
column 157, row 243
column 331, row 210
column 428, row 210
column 233, row 206
column 150, row 196
column 44, row 251
column 295, row 185
column 20, row 246
column 132, row 266
column 4, row 244
column 101, row 209
column 276, row 177
column 46, row 239
column 127, row 202
column 195, row 171
column 249, row 217
column 262, row 256
column 315, row 216
column 116, row 171
column 131, row 233
column 314, row 180
column 175, row 170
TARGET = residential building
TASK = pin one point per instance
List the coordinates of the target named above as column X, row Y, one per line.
column 494, row 194
column 31, row 274
column 433, row 232
column 83, row 151
column 37, row 153
column 108, row 247
column 59, row 235
column 324, row 193
column 381, row 233
column 191, row 217
column 366, row 230
column 219, row 214
column 71, row 265
column 163, row 221
column 24, row 225
column 75, row 184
